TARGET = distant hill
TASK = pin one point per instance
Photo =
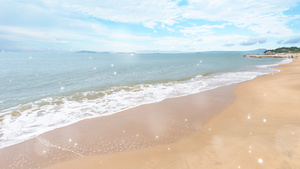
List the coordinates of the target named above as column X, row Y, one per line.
column 284, row 50
column 86, row 51
column 257, row 51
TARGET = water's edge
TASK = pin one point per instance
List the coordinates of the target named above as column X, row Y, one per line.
column 12, row 130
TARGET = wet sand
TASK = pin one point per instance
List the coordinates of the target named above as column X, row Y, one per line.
column 260, row 129
column 143, row 127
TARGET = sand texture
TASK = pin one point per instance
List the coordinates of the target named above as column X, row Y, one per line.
column 258, row 128
column 261, row 129
column 144, row 126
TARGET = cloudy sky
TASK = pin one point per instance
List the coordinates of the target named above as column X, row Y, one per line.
column 148, row 25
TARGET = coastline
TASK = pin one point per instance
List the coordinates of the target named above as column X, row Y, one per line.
column 222, row 140
column 74, row 100
column 277, row 55
column 141, row 127
column 260, row 129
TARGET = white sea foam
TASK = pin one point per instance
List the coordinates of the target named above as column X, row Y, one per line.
column 284, row 61
column 29, row 120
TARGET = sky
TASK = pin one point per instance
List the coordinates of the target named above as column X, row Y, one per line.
column 148, row 25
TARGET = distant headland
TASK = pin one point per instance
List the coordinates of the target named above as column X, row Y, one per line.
column 283, row 52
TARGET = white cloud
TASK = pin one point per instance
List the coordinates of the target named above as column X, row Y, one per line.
column 253, row 41
column 131, row 37
column 199, row 41
column 73, row 21
column 173, row 41
column 59, row 36
column 150, row 25
column 204, row 29
column 17, row 33
column 261, row 17
column 146, row 12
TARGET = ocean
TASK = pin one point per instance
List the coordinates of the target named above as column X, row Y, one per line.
column 40, row 92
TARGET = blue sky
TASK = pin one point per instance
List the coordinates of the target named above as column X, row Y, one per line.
column 148, row 25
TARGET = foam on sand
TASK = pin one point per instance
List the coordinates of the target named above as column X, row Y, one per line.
column 29, row 120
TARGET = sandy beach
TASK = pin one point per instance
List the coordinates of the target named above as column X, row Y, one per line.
column 254, row 124
column 145, row 126
column 163, row 84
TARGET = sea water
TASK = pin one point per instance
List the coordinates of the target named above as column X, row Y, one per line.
column 43, row 91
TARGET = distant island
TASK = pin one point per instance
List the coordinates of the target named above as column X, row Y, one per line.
column 283, row 52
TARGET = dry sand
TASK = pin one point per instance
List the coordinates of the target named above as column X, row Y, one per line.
column 144, row 126
column 259, row 129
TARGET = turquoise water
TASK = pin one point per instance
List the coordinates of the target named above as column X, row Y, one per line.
column 43, row 91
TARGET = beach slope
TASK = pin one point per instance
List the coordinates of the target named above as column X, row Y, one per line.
column 260, row 129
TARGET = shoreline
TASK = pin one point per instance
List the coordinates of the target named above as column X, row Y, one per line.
column 278, row 55
column 31, row 119
column 65, row 151
column 260, row 129
column 141, row 127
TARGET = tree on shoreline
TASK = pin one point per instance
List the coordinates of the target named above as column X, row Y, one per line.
column 284, row 50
